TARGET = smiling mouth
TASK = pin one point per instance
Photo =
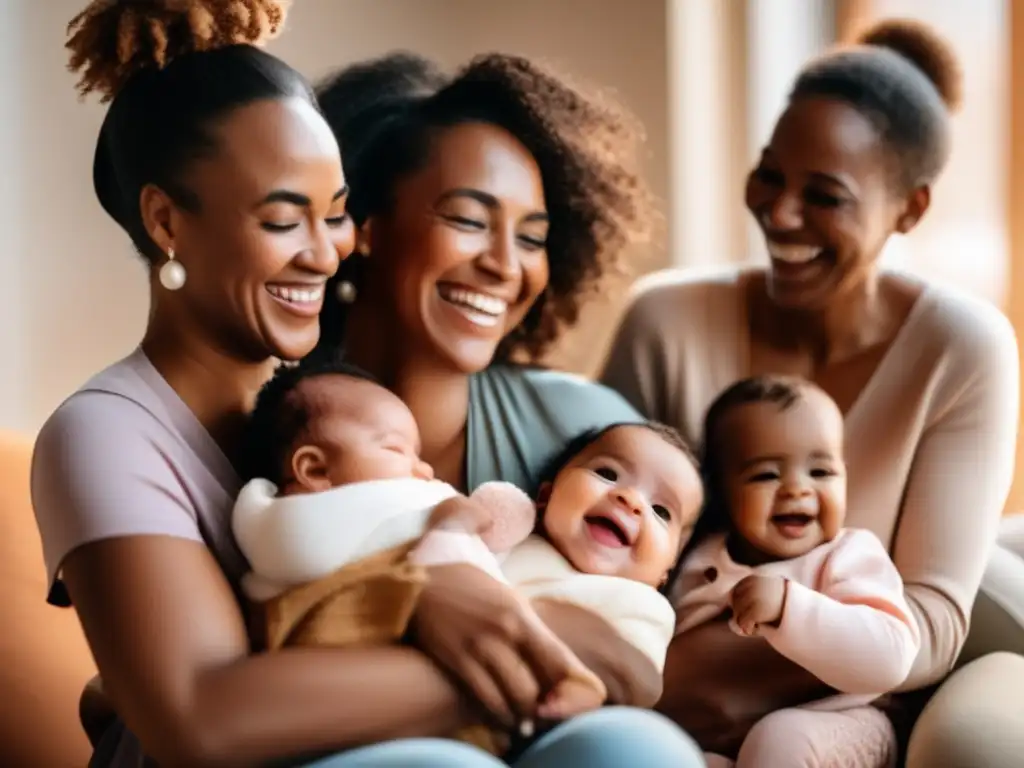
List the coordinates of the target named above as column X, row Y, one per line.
column 607, row 532
column 794, row 255
column 792, row 524
column 479, row 308
column 304, row 300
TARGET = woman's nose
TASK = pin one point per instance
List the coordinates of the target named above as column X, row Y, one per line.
column 784, row 213
column 501, row 259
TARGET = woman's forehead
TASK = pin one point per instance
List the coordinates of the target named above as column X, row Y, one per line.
column 826, row 136
column 275, row 144
column 485, row 157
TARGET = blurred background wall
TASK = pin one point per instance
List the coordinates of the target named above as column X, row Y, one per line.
column 707, row 77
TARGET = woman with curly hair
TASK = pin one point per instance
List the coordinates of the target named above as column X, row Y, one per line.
column 926, row 377
column 489, row 205
column 216, row 161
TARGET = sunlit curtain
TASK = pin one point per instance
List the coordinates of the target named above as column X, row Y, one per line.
column 964, row 237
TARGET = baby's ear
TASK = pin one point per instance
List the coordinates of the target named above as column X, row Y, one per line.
column 309, row 468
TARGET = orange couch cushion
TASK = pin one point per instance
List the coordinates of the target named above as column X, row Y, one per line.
column 44, row 660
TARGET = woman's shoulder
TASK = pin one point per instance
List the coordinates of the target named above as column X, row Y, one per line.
column 970, row 335
column 108, row 399
column 521, row 418
column 553, row 392
column 119, row 400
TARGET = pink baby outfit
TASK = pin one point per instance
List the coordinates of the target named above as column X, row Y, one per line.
column 845, row 620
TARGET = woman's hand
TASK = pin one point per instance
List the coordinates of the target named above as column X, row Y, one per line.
column 491, row 640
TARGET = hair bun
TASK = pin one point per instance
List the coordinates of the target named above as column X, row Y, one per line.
column 919, row 44
column 112, row 39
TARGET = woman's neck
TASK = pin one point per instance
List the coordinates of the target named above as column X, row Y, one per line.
column 856, row 319
column 437, row 395
column 218, row 388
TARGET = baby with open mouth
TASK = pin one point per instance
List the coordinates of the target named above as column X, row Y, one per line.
column 341, row 518
column 782, row 566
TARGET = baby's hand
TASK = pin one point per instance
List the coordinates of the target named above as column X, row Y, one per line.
column 758, row 600
column 460, row 513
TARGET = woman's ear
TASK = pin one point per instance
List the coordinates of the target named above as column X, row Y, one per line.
column 914, row 210
column 158, row 216
column 309, row 468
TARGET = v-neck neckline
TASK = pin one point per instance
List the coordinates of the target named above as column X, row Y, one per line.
column 189, row 426
column 905, row 331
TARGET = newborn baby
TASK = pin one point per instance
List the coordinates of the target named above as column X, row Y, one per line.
column 827, row 597
column 342, row 516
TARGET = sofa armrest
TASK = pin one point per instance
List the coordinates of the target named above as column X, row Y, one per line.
column 997, row 621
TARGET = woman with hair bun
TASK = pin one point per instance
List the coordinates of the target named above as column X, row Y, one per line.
column 926, row 377
column 216, row 161
column 489, row 204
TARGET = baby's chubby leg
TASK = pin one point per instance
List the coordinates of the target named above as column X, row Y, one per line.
column 861, row 737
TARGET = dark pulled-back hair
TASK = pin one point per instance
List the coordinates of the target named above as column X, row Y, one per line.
column 280, row 415
column 385, row 113
column 906, row 80
column 171, row 70
column 783, row 391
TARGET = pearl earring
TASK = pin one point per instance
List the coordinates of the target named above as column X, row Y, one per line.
column 172, row 273
column 346, row 291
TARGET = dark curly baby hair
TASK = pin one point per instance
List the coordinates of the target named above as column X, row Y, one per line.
column 280, row 414
column 907, row 81
column 385, row 113
column 170, row 70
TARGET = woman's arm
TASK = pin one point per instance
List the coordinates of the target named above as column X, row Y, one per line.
column 171, row 647
column 164, row 625
column 627, row 673
column 956, row 492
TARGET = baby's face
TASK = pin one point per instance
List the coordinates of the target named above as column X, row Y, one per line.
column 357, row 431
column 784, row 475
column 625, row 506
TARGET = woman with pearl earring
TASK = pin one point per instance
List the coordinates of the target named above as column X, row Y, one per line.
column 172, row 273
column 345, row 288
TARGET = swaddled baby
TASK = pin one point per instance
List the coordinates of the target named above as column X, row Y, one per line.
column 342, row 517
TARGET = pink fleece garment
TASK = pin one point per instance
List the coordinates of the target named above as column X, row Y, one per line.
column 845, row 619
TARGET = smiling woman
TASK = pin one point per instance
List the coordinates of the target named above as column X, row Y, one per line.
column 489, row 204
column 926, row 379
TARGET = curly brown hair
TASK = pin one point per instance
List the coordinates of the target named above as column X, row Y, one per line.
column 171, row 70
column 112, row 39
column 384, row 113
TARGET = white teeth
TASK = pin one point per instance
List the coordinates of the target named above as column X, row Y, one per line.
column 793, row 254
column 296, row 295
column 479, row 302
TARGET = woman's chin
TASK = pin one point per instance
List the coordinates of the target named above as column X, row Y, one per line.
column 467, row 355
column 292, row 347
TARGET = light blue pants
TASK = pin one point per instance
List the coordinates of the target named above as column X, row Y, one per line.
column 613, row 737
